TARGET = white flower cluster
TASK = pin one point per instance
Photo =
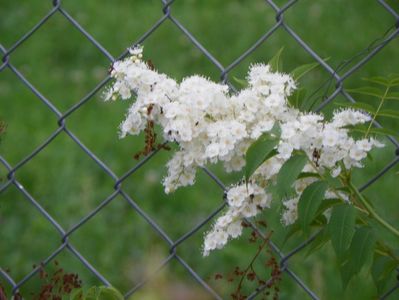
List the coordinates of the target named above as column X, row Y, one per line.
column 210, row 125
column 245, row 201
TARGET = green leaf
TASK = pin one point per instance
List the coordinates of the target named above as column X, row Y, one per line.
column 109, row 293
column 377, row 92
column 103, row 293
column 326, row 204
column 319, row 221
column 260, row 151
column 321, row 239
column 367, row 90
column 390, row 81
column 361, row 248
column 290, row 231
column 92, row 293
column 242, row 82
column 275, row 62
column 378, row 80
column 301, row 71
column 289, row 172
column 394, row 82
column 390, row 113
column 370, row 157
column 341, row 228
column 392, row 96
column 297, row 98
column 381, row 271
column 360, row 251
column 373, row 130
column 307, row 175
column 309, row 203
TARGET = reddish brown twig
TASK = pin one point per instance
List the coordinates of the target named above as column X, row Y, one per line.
column 150, row 137
column 269, row 286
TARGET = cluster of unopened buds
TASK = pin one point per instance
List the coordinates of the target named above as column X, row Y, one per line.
column 211, row 125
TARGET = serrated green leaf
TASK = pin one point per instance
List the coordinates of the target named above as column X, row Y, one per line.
column 341, row 228
column 392, row 96
column 360, row 251
column 381, row 271
column 389, row 113
column 309, row 203
column 242, row 82
column 367, row 90
column 378, row 80
column 275, row 62
column 301, row 71
column 374, row 92
column 260, row 151
column 289, row 172
column 373, row 130
column 393, row 80
column 383, row 131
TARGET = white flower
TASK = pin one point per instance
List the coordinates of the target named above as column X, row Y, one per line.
column 212, row 150
column 349, row 117
column 234, row 229
column 290, row 215
column 336, row 171
column 330, row 137
column 285, row 150
column 136, row 51
column 357, row 152
column 210, row 126
column 245, row 201
column 236, row 196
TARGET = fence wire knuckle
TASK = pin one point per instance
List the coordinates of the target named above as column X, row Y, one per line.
column 337, row 78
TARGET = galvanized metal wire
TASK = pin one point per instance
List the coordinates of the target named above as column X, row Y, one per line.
column 167, row 16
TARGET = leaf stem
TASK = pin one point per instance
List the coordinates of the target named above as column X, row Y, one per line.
column 378, row 110
column 334, row 190
column 372, row 211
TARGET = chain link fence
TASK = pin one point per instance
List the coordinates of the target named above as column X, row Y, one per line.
column 337, row 78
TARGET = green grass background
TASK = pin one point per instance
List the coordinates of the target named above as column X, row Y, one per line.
column 64, row 66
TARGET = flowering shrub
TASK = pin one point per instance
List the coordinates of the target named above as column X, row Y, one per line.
column 299, row 158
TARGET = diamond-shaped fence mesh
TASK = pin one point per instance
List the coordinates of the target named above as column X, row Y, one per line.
column 337, row 78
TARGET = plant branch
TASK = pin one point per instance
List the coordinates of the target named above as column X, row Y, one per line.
column 333, row 188
column 378, row 110
column 372, row 212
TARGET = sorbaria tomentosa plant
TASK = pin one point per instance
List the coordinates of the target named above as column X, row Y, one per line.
column 299, row 158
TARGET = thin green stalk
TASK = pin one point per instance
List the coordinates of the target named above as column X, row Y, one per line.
column 333, row 189
column 378, row 110
column 372, row 211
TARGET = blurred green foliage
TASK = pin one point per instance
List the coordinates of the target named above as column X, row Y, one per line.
column 64, row 66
